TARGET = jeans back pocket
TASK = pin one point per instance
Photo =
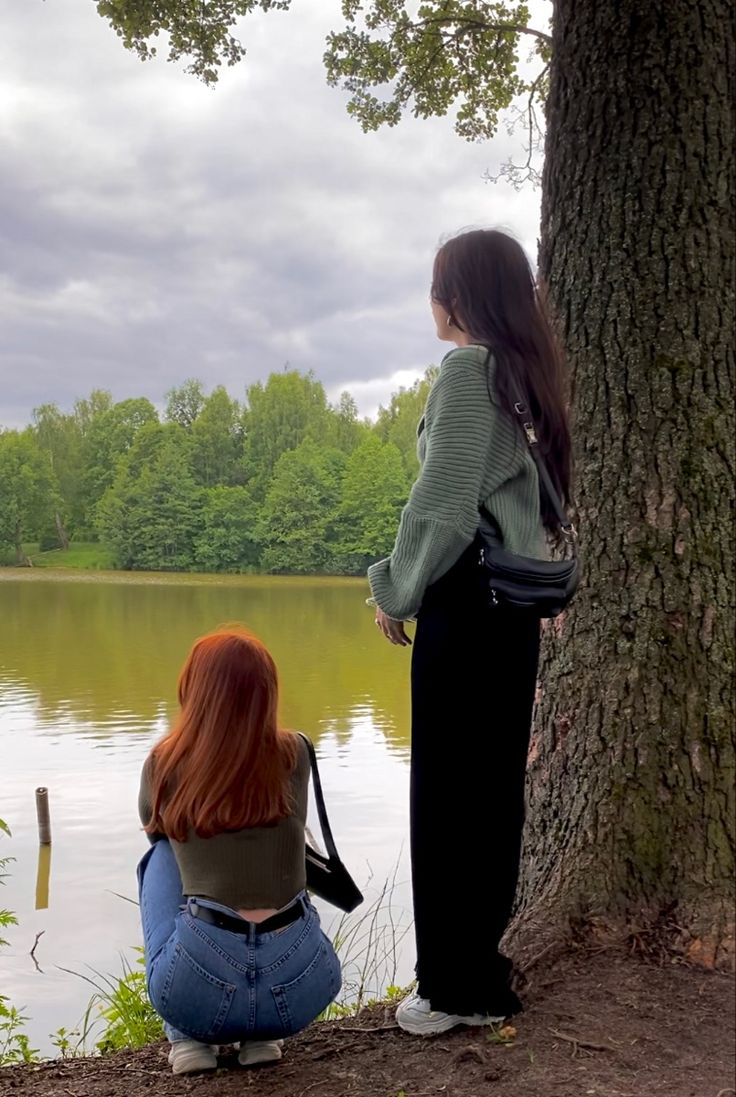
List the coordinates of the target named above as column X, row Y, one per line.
column 192, row 999
column 302, row 999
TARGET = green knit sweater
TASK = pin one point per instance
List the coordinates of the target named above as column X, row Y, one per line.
column 471, row 453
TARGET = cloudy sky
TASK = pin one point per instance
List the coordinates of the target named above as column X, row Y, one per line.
column 153, row 229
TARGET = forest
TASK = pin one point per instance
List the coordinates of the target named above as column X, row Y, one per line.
column 282, row 482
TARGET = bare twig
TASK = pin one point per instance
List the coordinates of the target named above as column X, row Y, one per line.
column 482, row 25
column 32, row 953
column 367, row 1028
column 517, row 174
column 587, row 1044
column 338, row 1049
column 539, row 956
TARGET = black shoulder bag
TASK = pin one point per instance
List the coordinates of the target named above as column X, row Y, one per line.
column 327, row 876
column 543, row 588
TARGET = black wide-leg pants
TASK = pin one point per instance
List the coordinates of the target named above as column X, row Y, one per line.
column 474, row 672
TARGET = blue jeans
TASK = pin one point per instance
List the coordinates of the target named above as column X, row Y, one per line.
column 219, row 987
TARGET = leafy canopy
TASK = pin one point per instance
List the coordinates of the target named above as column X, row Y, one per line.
column 28, row 489
column 390, row 55
column 200, row 30
column 286, row 481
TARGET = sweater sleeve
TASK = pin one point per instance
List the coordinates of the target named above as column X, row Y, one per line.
column 441, row 517
column 145, row 801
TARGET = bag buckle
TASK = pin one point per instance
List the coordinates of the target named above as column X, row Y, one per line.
column 569, row 533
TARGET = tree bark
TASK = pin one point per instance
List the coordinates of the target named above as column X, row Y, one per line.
column 61, row 531
column 631, row 771
column 20, row 556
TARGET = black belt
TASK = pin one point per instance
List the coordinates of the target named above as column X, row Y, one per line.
column 240, row 925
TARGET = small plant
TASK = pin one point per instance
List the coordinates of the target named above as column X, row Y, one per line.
column 68, row 1044
column 501, row 1034
column 7, row 918
column 14, row 1044
column 119, row 1013
column 368, row 947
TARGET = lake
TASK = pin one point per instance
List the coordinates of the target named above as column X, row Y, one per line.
column 88, row 670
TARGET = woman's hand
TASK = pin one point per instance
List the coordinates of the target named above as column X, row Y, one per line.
column 391, row 629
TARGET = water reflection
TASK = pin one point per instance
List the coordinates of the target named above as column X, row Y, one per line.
column 43, row 877
column 107, row 652
column 87, row 677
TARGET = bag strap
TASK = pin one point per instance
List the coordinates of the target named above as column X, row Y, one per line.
column 324, row 822
column 524, row 416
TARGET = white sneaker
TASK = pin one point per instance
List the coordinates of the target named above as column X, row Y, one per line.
column 189, row 1056
column 253, row 1052
column 415, row 1015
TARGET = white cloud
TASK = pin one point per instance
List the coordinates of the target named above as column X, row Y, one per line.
column 154, row 229
column 370, row 395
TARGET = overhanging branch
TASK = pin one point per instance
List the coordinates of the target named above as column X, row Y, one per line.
column 481, row 24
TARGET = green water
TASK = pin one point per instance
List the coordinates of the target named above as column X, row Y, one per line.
column 88, row 668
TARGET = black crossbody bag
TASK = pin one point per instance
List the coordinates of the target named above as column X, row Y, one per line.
column 327, row 876
column 543, row 588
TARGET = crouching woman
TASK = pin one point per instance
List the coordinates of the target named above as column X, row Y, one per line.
column 233, row 947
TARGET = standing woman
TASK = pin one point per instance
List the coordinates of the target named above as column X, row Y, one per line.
column 474, row 666
column 233, row 947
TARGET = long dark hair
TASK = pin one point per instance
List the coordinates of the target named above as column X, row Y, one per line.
column 483, row 280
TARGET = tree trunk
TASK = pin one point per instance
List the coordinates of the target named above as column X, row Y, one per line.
column 632, row 764
column 20, row 556
column 61, row 531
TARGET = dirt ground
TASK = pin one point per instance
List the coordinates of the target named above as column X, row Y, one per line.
column 603, row 1025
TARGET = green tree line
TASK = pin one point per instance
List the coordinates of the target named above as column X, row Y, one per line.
column 281, row 482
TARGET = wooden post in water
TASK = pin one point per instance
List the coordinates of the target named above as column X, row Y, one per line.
column 42, row 876
column 42, row 814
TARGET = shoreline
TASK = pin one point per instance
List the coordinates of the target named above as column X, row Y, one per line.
column 204, row 578
column 606, row 1024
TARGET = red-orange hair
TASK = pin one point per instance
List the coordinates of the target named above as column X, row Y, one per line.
column 225, row 763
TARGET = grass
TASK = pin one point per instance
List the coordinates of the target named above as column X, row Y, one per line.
column 14, row 1044
column 120, row 1015
column 368, row 945
column 83, row 555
